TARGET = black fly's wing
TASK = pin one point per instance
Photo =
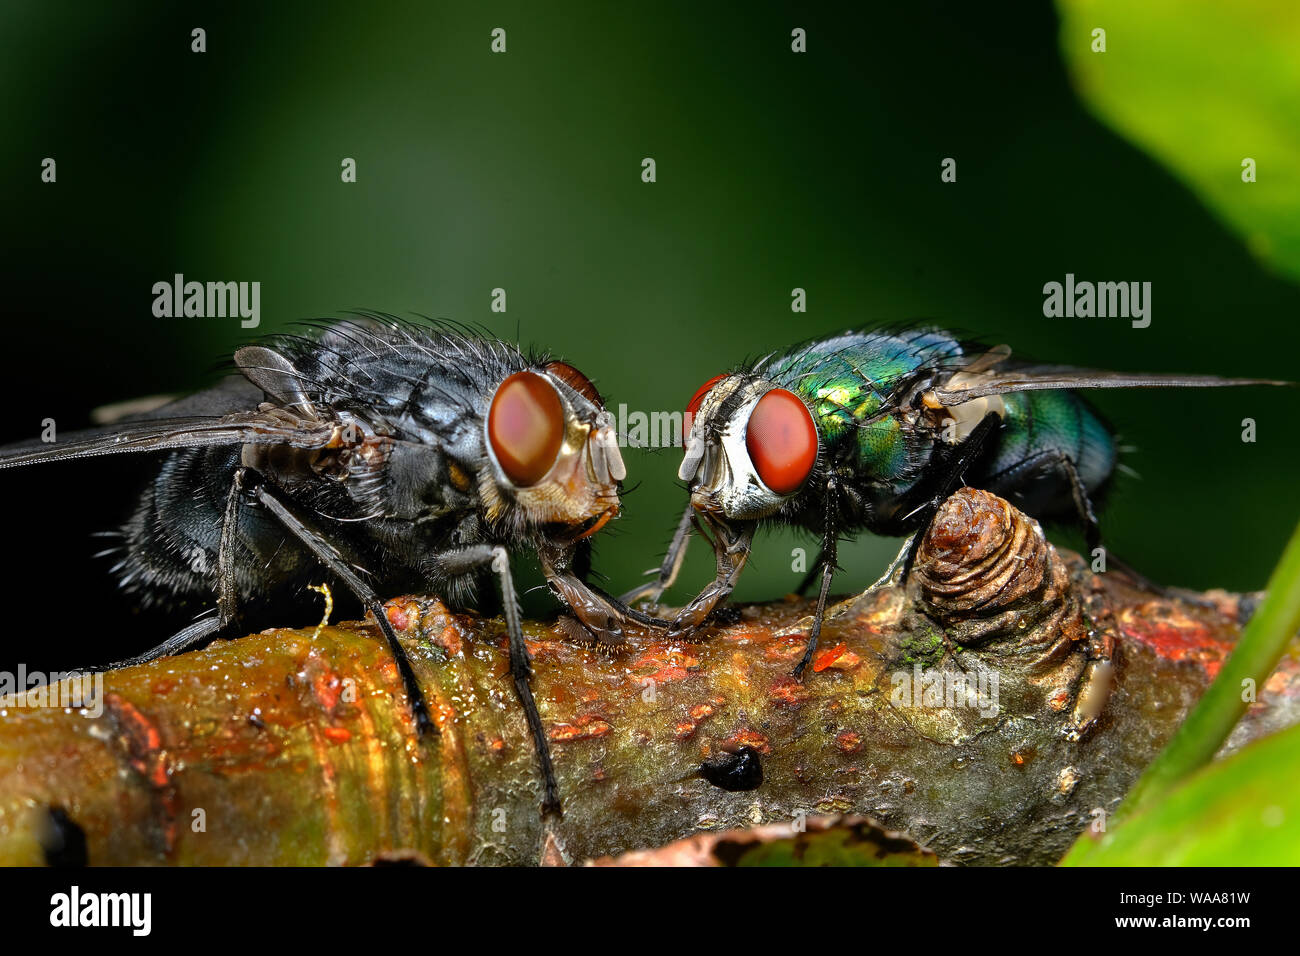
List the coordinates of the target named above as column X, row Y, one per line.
column 256, row 428
column 219, row 415
column 234, row 393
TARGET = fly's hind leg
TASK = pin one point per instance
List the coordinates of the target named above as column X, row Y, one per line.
column 1079, row 494
column 210, row 624
column 1092, row 535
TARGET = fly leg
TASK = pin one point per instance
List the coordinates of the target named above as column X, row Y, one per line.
column 188, row 636
column 812, row 574
column 473, row 558
column 1092, row 536
column 731, row 552
column 828, row 554
column 652, row 591
column 227, row 595
column 601, row 615
column 889, row 579
column 1095, row 682
column 1079, row 494
column 329, row 556
column 951, row 478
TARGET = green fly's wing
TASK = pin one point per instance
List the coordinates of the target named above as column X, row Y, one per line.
column 969, row 384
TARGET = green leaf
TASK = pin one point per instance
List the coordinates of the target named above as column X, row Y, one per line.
column 1241, row 811
column 1201, row 85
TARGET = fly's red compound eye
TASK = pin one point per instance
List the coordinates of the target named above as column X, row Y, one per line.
column 526, row 427
column 697, row 399
column 782, row 441
column 577, row 381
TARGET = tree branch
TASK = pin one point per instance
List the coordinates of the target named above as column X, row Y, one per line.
column 283, row 749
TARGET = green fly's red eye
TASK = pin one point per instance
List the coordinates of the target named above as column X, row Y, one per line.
column 576, row 381
column 782, row 441
column 697, row 399
column 526, row 427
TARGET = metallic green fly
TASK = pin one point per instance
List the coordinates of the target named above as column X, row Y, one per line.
column 871, row 431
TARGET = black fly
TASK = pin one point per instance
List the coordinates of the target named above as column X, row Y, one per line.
column 383, row 455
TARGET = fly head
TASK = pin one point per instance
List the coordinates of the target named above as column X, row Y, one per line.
column 751, row 449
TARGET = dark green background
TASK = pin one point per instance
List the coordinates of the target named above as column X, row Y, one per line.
column 522, row 171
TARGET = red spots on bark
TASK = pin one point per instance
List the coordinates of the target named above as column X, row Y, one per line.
column 838, row 657
column 326, row 687
column 747, row 738
column 583, row 728
column 697, row 715
column 849, row 741
column 1174, row 635
column 402, row 615
column 449, row 640
column 140, row 743
column 788, row 692
column 668, row 663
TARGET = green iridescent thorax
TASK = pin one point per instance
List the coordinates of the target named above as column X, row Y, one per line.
column 846, row 379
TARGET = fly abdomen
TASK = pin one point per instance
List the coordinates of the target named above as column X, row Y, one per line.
column 1039, row 430
column 171, row 540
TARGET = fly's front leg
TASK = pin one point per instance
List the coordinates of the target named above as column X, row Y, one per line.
column 731, row 547
column 473, row 558
column 601, row 615
column 652, row 591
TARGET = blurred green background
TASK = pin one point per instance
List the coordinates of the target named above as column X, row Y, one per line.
column 522, row 170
